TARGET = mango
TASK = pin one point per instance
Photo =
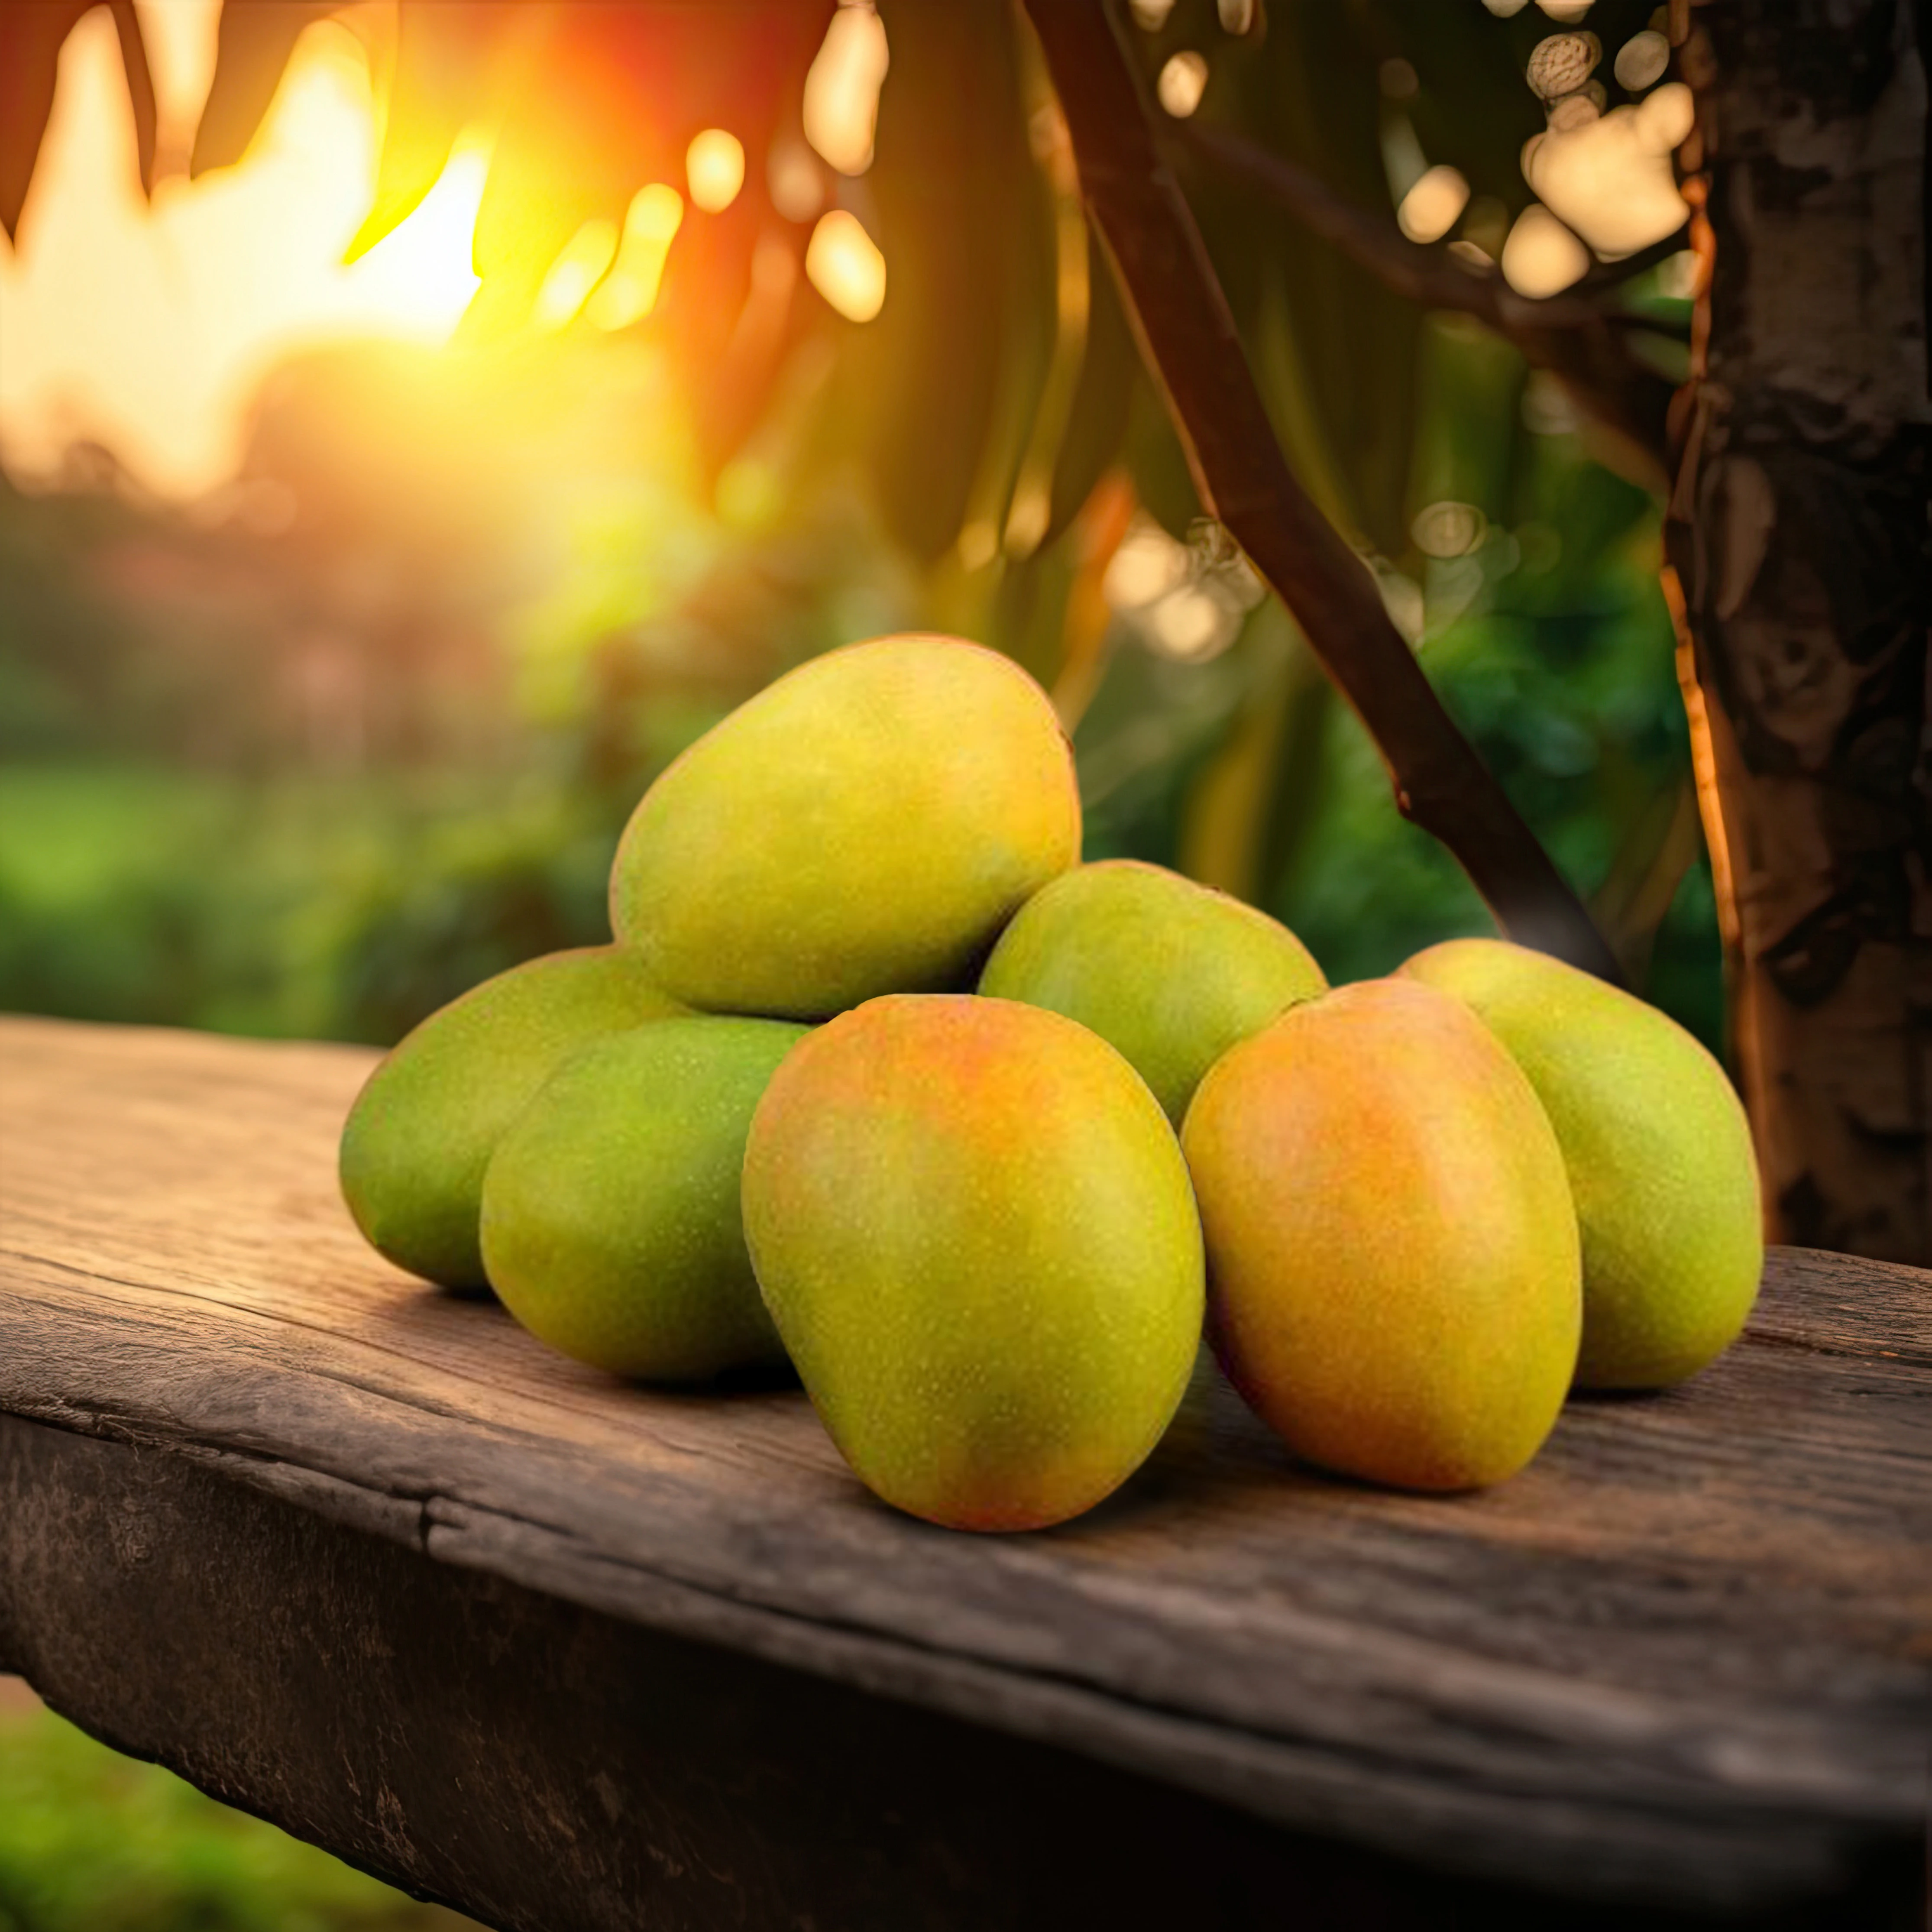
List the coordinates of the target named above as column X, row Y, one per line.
column 973, row 1226
column 1393, row 1269
column 1659, row 1154
column 611, row 1221
column 865, row 825
column 1171, row 972
column 421, row 1131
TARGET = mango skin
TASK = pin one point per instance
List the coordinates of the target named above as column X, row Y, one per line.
column 1171, row 972
column 865, row 825
column 611, row 1221
column 421, row 1131
column 1393, row 1267
column 973, row 1228
column 1659, row 1152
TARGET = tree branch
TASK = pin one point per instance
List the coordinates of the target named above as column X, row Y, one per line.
column 1188, row 339
column 1569, row 335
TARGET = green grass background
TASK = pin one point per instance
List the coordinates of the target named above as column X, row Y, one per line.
column 92, row 1841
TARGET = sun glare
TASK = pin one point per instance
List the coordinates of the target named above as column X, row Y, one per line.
column 580, row 266
column 149, row 327
column 630, row 292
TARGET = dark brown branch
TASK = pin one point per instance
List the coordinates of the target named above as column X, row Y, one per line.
column 1571, row 336
column 1605, row 277
column 1188, row 340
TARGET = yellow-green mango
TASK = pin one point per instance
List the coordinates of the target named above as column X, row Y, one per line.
column 865, row 825
column 1171, row 973
column 973, row 1226
column 1658, row 1150
column 611, row 1227
column 1393, row 1264
column 423, row 1128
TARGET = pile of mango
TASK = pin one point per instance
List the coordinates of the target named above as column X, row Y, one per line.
column 878, row 1079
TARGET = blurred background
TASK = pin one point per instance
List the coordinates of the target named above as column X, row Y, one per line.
column 420, row 422
column 346, row 607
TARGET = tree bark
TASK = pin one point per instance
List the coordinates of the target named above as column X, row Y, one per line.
column 1798, row 568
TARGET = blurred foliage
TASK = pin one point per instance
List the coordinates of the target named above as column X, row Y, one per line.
column 92, row 1841
column 313, row 759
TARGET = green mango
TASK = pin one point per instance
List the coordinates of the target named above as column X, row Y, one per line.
column 423, row 1128
column 1171, row 973
column 1658, row 1151
column 973, row 1228
column 865, row 825
column 610, row 1222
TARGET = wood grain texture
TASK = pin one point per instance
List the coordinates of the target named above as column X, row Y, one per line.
column 548, row 1769
column 1686, row 1657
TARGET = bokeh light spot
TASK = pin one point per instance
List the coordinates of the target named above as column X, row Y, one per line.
column 1433, row 205
column 1609, row 176
column 1641, row 60
column 845, row 266
column 1183, row 81
column 1191, row 625
column 1148, row 564
column 841, row 90
column 1448, row 530
column 1541, row 257
column 795, row 181
column 714, row 169
column 1562, row 64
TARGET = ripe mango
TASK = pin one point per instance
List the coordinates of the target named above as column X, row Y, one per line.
column 1394, row 1279
column 1171, row 973
column 1659, row 1154
column 973, row 1226
column 424, row 1126
column 610, row 1222
column 865, row 825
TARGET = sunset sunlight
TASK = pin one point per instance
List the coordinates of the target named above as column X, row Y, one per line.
column 148, row 329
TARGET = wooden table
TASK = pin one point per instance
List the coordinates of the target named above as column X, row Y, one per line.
column 363, row 1558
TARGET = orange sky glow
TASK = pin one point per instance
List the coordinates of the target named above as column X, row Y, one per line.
column 148, row 327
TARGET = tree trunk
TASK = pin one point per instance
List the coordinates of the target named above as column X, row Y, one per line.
column 1798, row 548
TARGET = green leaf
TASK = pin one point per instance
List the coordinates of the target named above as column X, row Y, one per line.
column 1097, row 421
column 964, row 221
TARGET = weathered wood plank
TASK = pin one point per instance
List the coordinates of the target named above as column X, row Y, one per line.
column 1687, row 1657
column 552, row 1770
